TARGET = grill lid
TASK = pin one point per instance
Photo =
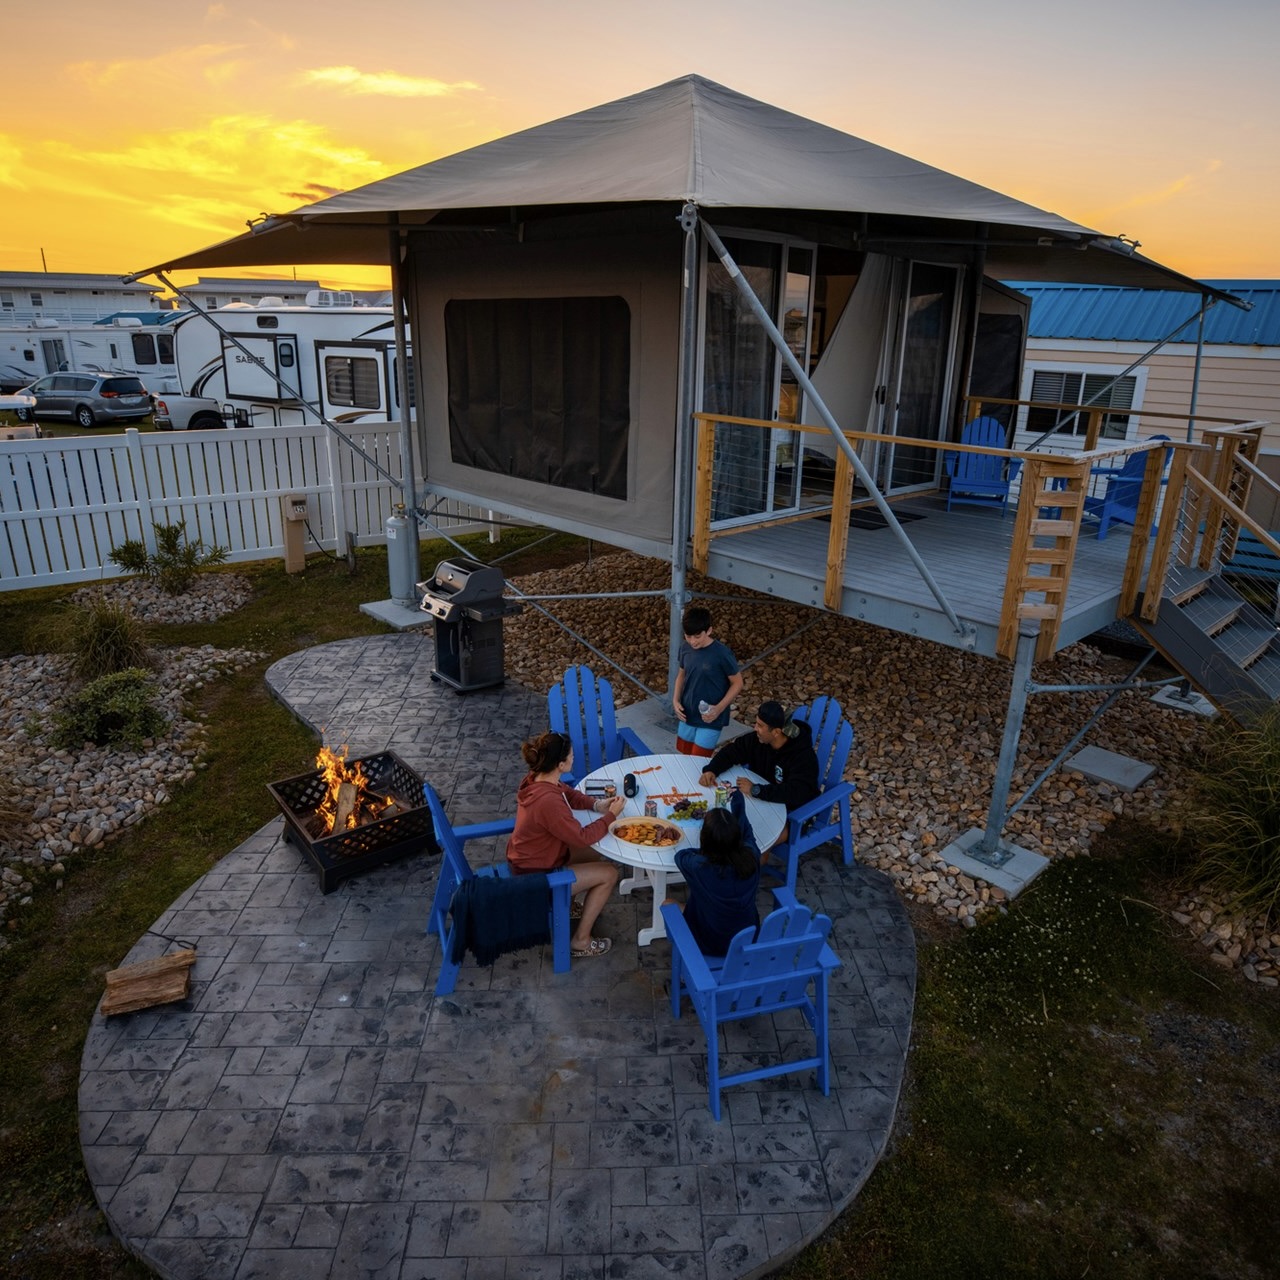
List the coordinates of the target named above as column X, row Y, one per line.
column 468, row 588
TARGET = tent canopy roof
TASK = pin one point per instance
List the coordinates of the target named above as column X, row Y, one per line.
column 689, row 140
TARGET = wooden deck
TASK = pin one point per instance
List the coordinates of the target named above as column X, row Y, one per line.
column 966, row 550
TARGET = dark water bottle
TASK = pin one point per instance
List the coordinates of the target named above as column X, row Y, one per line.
column 629, row 785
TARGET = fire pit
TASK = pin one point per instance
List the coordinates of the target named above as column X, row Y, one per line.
column 379, row 809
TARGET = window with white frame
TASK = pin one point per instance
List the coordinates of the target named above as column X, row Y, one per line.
column 1053, row 388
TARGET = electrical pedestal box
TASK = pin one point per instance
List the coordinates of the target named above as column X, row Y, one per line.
column 294, row 508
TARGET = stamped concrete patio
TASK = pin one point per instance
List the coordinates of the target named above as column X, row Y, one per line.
column 313, row 1111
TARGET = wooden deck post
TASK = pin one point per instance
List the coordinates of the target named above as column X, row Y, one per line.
column 838, row 540
column 703, row 469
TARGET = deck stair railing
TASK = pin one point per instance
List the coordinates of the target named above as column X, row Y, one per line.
column 1211, row 631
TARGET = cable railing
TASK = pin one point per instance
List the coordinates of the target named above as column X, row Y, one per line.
column 744, row 481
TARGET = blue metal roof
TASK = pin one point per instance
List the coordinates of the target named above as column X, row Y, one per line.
column 1106, row 313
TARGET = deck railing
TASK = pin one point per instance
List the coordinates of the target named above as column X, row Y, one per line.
column 1209, row 485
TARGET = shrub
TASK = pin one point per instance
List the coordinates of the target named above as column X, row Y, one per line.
column 175, row 562
column 114, row 710
column 1234, row 814
column 104, row 636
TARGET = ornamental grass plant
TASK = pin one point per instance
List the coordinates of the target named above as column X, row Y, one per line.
column 1233, row 816
column 100, row 636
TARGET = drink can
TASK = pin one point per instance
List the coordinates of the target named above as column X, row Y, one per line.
column 650, row 808
column 722, row 797
column 610, row 790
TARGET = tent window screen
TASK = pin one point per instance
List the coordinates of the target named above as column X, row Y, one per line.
column 1098, row 390
column 352, row 380
column 539, row 388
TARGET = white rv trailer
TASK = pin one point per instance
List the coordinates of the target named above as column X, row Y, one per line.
column 140, row 343
column 264, row 364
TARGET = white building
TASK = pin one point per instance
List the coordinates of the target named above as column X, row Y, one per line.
column 71, row 296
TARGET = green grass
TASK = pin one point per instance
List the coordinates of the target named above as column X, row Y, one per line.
column 1086, row 1096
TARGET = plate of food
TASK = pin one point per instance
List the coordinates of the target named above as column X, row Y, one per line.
column 649, row 833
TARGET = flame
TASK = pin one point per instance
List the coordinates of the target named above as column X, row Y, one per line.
column 333, row 764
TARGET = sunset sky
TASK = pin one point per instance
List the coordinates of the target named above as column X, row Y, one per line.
column 132, row 133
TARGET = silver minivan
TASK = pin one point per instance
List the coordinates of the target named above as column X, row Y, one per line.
column 87, row 398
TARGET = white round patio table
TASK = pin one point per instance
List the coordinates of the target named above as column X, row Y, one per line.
column 665, row 778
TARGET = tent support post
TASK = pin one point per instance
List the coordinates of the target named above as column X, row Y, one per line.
column 682, row 515
column 988, row 849
column 408, row 483
column 813, row 398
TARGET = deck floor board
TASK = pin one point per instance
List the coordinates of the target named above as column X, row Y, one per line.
column 966, row 551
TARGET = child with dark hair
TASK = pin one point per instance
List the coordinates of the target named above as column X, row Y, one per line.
column 723, row 875
column 707, row 682
column 547, row 836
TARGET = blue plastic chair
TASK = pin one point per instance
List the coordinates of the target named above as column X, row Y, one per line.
column 455, row 870
column 581, row 707
column 765, row 971
column 981, row 479
column 829, row 815
column 1118, row 502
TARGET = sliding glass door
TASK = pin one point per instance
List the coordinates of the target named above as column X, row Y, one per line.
column 919, row 392
column 743, row 375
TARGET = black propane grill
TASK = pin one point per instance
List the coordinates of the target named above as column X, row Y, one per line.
column 466, row 602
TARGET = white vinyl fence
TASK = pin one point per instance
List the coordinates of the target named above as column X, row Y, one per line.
column 66, row 504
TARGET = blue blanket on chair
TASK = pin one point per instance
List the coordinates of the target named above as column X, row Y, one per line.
column 494, row 915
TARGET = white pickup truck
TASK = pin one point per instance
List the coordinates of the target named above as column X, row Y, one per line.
column 187, row 413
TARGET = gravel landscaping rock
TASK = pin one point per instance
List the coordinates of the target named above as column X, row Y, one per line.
column 68, row 803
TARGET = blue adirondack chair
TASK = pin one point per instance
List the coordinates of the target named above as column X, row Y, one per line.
column 981, row 479
column 828, row 816
column 456, row 870
column 765, row 971
column 581, row 707
column 1118, row 502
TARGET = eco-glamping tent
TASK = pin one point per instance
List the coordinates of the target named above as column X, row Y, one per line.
column 580, row 292
column 546, row 284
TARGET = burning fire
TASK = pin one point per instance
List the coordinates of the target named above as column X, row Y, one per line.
column 365, row 805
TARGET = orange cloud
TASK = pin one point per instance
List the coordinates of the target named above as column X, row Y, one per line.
column 1170, row 191
column 386, row 84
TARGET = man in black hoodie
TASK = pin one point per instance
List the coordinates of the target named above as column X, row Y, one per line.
column 780, row 751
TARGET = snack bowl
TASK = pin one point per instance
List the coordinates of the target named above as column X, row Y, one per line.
column 647, row 833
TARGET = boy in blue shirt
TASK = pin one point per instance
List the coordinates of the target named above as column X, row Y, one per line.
column 707, row 682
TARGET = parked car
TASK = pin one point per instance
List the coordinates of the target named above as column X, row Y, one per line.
column 87, row 398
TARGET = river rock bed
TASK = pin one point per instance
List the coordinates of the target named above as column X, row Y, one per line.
column 928, row 722
column 71, row 802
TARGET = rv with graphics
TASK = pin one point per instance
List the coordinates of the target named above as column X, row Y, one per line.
column 138, row 343
column 265, row 364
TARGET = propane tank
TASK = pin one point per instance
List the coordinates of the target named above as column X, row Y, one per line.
column 402, row 556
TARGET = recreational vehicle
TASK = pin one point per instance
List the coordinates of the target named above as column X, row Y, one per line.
column 269, row 364
column 137, row 343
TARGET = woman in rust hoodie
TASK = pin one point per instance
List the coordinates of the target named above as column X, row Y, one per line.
column 547, row 836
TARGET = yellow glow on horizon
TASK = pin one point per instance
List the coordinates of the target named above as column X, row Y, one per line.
column 169, row 130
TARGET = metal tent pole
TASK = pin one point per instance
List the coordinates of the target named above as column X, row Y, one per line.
column 682, row 515
column 988, row 848
column 408, row 485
